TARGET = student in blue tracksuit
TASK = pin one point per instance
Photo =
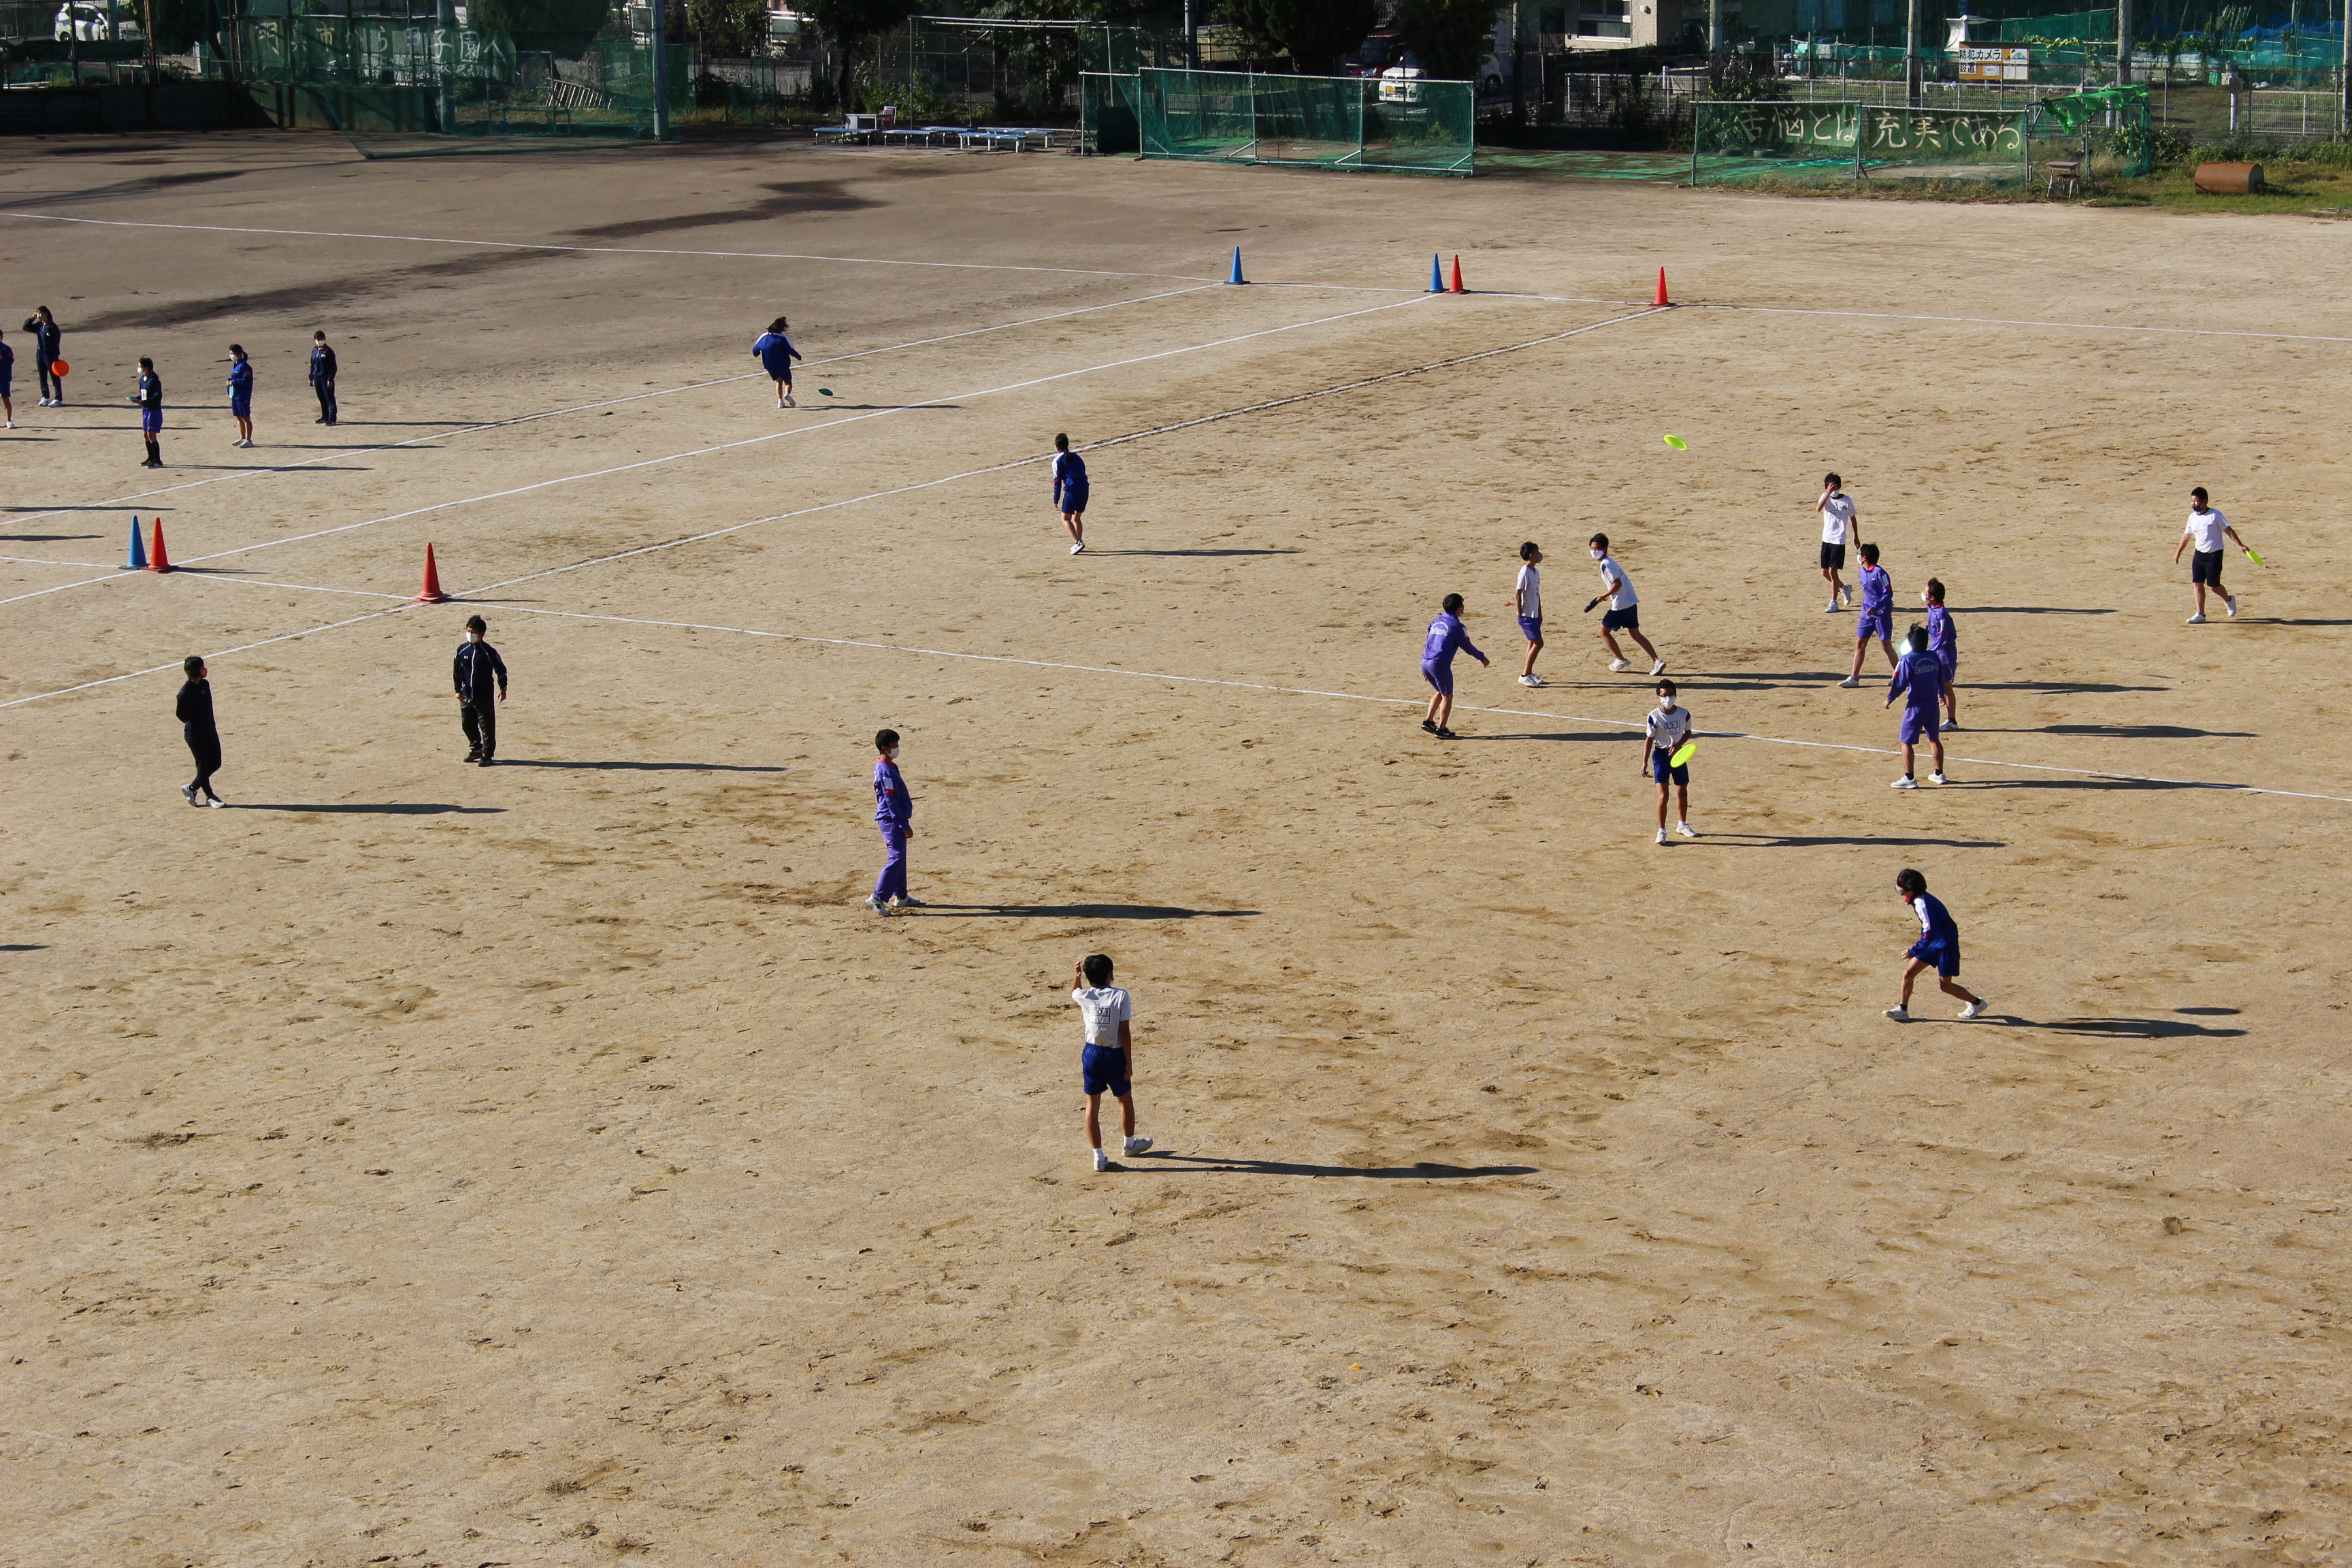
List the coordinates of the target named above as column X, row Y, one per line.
column 49, row 353
column 1943, row 642
column 150, row 400
column 1919, row 681
column 322, row 380
column 1446, row 637
column 894, row 813
column 1877, row 617
column 240, row 394
column 1070, row 491
column 1939, row 947
column 775, row 353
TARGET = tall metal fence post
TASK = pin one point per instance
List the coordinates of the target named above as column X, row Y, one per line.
column 444, row 46
column 1911, row 52
column 661, row 72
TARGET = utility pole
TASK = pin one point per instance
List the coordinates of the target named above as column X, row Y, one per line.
column 1911, row 52
column 444, row 47
column 2123, row 41
column 661, row 72
column 1519, row 69
column 1715, row 26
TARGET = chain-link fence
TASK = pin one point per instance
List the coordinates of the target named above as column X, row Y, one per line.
column 1408, row 124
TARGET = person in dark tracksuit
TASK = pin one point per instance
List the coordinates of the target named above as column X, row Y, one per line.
column 195, row 714
column 480, row 676
column 49, row 348
column 322, row 378
column 894, row 813
column 149, row 399
column 240, row 394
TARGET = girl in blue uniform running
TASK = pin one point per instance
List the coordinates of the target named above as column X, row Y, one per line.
column 775, row 353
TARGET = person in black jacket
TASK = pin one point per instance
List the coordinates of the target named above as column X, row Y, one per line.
column 49, row 347
column 196, row 712
column 481, row 680
column 149, row 399
column 322, row 378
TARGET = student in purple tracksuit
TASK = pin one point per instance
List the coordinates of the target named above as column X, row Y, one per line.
column 894, row 813
column 1919, row 680
column 1943, row 642
column 1070, row 492
column 1447, row 637
column 1877, row 618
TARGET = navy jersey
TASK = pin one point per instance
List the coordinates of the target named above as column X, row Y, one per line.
column 322, row 362
column 893, row 807
column 1937, row 932
column 1069, row 475
column 775, row 352
column 1447, row 636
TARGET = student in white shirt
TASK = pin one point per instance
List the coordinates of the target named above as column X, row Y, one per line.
column 1663, row 732
column 1838, row 525
column 1527, row 602
column 2207, row 529
column 1625, row 614
column 1106, row 1061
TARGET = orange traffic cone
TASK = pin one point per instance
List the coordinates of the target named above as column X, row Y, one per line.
column 1662, row 299
column 156, row 559
column 432, row 593
column 1457, row 287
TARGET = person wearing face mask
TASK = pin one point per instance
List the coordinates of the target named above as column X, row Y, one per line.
column 1625, row 613
column 1943, row 642
column 480, row 676
column 240, row 394
column 1663, row 732
column 894, row 813
column 1919, row 680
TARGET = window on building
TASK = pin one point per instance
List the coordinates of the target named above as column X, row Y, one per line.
column 1604, row 19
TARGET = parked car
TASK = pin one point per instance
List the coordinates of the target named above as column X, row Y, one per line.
column 1382, row 56
column 89, row 24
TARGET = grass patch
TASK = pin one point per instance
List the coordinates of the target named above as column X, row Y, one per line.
column 2294, row 189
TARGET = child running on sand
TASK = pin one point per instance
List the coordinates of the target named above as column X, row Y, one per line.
column 1938, row 945
column 1447, row 636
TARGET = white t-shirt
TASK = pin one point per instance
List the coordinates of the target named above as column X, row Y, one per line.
column 1669, row 730
column 1622, row 596
column 1530, row 591
column 1103, row 1008
column 1837, row 516
column 2205, row 527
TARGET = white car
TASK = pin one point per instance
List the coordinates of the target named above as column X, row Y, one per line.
column 91, row 24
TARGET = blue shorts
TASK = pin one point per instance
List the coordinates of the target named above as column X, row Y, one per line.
column 151, row 421
column 1919, row 724
column 1440, row 676
column 1662, row 773
column 1879, row 624
column 1950, row 659
column 241, row 407
column 1628, row 619
column 784, row 375
column 1074, row 500
column 1104, row 1068
column 1945, row 956
column 1531, row 627
column 2205, row 566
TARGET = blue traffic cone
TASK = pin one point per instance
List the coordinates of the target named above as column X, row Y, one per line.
column 1237, row 277
column 138, row 561
column 1436, row 275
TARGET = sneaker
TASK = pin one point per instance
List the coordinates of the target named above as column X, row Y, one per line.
column 216, row 802
column 1831, row 608
column 780, row 402
column 1662, row 835
column 1847, row 589
column 788, row 402
column 321, row 419
column 876, row 905
column 1906, row 782
column 1102, row 1161
column 1619, row 664
column 2198, row 619
column 1430, row 725
column 1138, row 1145
column 1531, row 680
column 1900, row 1014
column 475, row 755
column 2231, row 600
column 1080, row 548
column 1658, row 667
column 484, row 762
column 1687, row 830
column 903, row 903
column 188, row 794
column 1951, row 723
column 1443, row 733
column 1850, row 682
column 1975, row 1009
column 1938, row 778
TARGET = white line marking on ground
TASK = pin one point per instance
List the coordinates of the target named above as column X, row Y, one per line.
column 44, row 561
column 2003, row 322
column 732, row 446
column 455, row 430
column 614, row 249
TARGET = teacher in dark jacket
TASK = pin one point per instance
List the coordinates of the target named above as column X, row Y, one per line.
column 195, row 712
column 50, row 348
column 322, row 378
column 481, row 680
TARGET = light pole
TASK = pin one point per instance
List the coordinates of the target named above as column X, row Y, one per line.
column 661, row 72
column 1911, row 52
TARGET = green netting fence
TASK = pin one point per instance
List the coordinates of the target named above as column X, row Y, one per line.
column 1410, row 124
column 1107, row 114
column 2109, row 133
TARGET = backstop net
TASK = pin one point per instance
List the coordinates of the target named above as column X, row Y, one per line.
column 1784, row 144
column 1407, row 124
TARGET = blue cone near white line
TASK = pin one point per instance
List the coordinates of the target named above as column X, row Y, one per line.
column 1436, row 275
column 1237, row 277
column 138, row 561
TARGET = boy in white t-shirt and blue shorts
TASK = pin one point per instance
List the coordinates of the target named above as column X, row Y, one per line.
column 1106, row 1063
column 1838, row 525
column 1527, row 602
column 1663, row 732
column 2207, row 530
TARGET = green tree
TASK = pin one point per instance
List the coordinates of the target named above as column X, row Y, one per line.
column 850, row 28
column 729, row 30
column 1314, row 34
column 1448, row 37
column 565, row 27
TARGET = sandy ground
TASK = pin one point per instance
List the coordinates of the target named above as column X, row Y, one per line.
column 555, row 1163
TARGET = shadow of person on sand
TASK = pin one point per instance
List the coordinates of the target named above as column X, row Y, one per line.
column 641, row 767
column 387, row 808
column 1426, row 1170
column 1070, row 911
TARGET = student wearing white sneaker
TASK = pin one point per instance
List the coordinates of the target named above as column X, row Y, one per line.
column 1526, row 601
column 1071, row 488
column 1625, row 614
column 775, row 353
column 1919, row 680
column 1938, row 945
column 1663, row 732
column 240, row 394
column 1839, row 515
column 1106, row 1061
column 2207, row 530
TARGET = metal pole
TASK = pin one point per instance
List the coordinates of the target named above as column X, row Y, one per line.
column 2123, row 41
column 1715, row 27
column 661, row 72
column 444, row 46
column 1911, row 52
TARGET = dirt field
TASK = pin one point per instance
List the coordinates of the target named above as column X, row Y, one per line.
column 555, row 1165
